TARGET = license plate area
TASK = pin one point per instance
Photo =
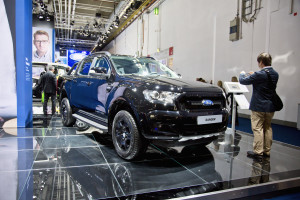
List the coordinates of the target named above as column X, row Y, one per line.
column 209, row 119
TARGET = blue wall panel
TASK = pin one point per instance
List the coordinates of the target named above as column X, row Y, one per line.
column 23, row 62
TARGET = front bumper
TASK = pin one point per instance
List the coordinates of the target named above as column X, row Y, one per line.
column 181, row 126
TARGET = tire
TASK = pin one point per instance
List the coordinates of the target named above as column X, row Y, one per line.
column 66, row 113
column 127, row 140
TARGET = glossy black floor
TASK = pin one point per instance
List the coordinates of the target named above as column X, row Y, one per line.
column 62, row 163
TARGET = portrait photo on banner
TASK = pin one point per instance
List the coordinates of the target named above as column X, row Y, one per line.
column 42, row 44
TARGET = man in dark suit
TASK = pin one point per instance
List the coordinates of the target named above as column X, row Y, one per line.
column 261, row 106
column 49, row 87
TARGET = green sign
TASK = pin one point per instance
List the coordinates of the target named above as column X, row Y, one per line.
column 156, row 11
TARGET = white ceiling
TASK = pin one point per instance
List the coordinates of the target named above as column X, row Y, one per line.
column 76, row 23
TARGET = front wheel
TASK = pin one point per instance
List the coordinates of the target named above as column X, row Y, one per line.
column 66, row 113
column 127, row 140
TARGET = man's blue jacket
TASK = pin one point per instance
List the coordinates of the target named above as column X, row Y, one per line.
column 262, row 90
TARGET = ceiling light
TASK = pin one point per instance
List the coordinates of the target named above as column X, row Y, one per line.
column 116, row 22
column 98, row 14
column 41, row 16
column 48, row 18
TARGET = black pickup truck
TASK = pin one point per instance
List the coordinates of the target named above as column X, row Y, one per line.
column 140, row 100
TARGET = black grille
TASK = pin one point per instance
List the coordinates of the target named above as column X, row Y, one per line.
column 193, row 102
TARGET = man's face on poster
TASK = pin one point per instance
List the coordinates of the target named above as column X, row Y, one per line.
column 41, row 43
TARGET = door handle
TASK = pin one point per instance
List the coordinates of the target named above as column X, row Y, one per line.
column 74, row 80
column 89, row 83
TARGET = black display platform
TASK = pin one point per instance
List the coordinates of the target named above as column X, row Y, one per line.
column 56, row 162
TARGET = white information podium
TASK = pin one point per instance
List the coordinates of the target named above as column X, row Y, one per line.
column 237, row 90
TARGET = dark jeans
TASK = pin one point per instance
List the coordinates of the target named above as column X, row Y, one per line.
column 46, row 98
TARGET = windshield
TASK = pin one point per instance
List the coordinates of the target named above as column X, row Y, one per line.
column 141, row 66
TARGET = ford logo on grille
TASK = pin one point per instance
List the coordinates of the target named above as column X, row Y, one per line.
column 207, row 102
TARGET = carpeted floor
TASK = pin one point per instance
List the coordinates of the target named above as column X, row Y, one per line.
column 281, row 133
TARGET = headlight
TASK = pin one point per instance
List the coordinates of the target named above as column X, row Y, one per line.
column 162, row 97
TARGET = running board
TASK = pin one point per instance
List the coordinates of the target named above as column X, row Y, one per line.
column 90, row 122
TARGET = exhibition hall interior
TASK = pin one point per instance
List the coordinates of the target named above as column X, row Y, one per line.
column 149, row 99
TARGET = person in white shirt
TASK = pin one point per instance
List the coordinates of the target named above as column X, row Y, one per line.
column 41, row 42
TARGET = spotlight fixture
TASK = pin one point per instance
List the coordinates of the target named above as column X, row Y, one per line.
column 41, row 16
column 126, row 13
column 98, row 14
column 48, row 19
column 131, row 6
column 116, row 22
column 137, row 4
column 95, row 24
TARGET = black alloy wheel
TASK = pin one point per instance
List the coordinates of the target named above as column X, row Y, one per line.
column 126, row 137
column 66, row 113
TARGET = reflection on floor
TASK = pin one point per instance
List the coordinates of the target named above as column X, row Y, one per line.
column 62, row 163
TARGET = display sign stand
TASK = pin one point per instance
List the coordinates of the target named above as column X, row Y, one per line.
column 237, row 90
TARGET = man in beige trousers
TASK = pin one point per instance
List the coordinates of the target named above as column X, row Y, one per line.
column 261, row 106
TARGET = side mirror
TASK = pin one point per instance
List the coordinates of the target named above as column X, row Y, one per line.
column 100, row 75
column 179, row 75
column 100, row 70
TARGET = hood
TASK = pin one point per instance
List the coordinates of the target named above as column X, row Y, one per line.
column 175, row 84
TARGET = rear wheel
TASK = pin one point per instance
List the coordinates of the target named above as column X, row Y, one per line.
column 127, row 140
column 66, row 113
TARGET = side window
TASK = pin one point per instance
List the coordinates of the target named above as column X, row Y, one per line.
column 102, row 62
column 85, row 66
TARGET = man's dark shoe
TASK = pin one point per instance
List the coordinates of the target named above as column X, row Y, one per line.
column 255, row 156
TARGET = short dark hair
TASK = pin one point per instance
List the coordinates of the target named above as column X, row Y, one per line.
column 265, row 58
